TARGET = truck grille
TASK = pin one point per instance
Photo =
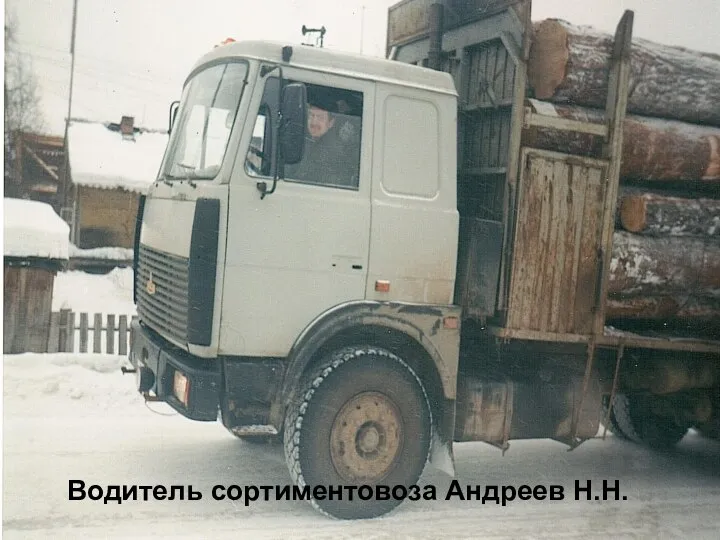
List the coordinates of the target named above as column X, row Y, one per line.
column 166, row 310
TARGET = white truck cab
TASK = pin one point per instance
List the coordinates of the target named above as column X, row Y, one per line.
column 306, row 203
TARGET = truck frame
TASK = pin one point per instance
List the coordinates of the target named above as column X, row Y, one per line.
column 458, row 293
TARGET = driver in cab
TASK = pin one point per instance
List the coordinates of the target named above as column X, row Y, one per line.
column 327, row 158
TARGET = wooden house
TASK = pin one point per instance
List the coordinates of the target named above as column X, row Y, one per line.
column 36, row 247
column 111, row 165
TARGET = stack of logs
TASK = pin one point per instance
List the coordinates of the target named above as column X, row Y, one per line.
column 666, row 248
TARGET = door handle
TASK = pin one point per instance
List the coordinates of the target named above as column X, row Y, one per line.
column 344, row 262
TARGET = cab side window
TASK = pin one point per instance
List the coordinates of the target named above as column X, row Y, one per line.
column 332, row 139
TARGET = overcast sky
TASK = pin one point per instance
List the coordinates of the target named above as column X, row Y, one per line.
column 132, row 55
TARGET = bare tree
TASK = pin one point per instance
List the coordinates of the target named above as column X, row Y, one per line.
column 22, row 99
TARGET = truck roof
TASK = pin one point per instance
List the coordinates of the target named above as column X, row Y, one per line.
column 325, row 60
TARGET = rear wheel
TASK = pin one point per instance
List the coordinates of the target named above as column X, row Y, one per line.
column 711, row 429
column 613, row 423
column 634, row 417
column 362, row 419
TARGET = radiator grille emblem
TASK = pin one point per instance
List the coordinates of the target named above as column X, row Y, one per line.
column 150, row 285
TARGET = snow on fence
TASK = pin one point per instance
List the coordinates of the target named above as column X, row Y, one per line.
column 70, row 332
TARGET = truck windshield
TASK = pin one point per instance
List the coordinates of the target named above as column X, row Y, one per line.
column 205, row 119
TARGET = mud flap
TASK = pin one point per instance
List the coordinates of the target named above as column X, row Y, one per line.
column 441, row 455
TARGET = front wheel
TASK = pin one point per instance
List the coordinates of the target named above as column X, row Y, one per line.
column 362, row 419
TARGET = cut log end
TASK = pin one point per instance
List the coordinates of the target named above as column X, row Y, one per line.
column 633, row 213
column 570, row 64
column 550, row 43
column 713, row 170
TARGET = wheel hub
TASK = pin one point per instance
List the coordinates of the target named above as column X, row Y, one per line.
column 366, row 438
column 369, row 438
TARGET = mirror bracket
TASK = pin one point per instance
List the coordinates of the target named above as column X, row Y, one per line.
column 174, row 106
column 262, row 186
column 277, row 149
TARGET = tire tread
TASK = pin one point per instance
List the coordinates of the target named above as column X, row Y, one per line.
column 296, row 411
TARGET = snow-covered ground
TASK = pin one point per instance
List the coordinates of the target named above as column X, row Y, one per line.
column 76, row 417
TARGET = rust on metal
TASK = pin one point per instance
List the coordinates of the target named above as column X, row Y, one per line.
column 496, row 412
column 366, row 438
column 482, row 411
column 508, row 418
column 574, row 439
column 613, row 391
column 409, row 20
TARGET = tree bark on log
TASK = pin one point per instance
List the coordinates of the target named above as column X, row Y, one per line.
column 663, row 307
column 658, row 215
column 662, row 266
column 653, row 149
column 570, row 64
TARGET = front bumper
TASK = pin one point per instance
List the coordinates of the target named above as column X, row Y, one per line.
column 156, row 363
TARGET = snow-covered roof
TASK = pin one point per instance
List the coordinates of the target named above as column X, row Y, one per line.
column 104, row 253
column 101, row 157
column 33, row 229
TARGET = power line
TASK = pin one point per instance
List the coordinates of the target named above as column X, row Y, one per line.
column 125, row 73
column 119, row 80
column 129, row 93
column 98, row 59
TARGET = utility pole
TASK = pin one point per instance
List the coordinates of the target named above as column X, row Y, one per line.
column 72, row 68
column 362, row 27
column 66, row 176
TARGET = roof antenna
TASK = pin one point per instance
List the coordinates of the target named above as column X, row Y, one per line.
column 319, row 39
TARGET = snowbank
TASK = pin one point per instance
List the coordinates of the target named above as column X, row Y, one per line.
column 101, row 158
column 33, row 229
column 104, row 253
column 91, row 381
column 92, row 293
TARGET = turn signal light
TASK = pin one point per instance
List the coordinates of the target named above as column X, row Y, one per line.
column 181, row 387
column 451, row 323
column 382, row 285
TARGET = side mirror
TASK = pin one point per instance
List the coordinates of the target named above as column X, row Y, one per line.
column 294, row 122
column 174, row 106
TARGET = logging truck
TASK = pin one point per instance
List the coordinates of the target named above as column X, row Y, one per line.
column 439, row 280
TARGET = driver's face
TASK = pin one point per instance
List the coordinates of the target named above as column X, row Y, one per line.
column 319, row 122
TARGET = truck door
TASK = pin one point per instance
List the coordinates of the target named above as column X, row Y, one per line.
column 304, row 248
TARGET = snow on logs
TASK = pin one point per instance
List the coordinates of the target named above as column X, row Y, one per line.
column 569, row 64
column 666, row 249
column 658, row 215
column 653, row 267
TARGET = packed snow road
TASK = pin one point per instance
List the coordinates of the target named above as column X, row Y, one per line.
column 72, row 417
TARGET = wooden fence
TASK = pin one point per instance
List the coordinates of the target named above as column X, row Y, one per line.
column 71, row 332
